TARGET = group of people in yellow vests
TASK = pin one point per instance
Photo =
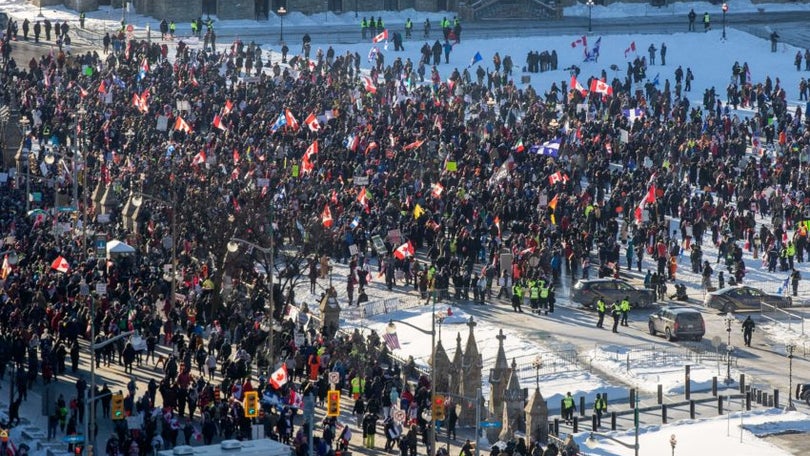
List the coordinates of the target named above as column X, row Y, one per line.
column 538, row 294
column 619, row 310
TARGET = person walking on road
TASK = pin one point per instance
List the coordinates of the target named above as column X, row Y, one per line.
column 748, row 330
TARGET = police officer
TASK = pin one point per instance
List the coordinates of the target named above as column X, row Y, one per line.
column 81, row 19
column 625, row 308
column 568, row 408
column 545, row 290
column 517, row 296
column 408, row 28
column 601, row 307
column 534, row 294
column 363, row 27
column 599, row 408
column 616, row 310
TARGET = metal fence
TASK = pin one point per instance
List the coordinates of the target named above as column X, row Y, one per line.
column 793, row 321
column 654, row 355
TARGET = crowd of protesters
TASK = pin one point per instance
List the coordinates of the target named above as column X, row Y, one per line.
column 454, row 166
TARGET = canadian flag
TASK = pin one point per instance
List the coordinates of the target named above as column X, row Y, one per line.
column 369, row 84
column 60, row 264
column 602, row 87
column 649, row 198
column 404, row 251
column 199, row 159
column 382, row 36
column 437, row 190
column 312, row 122
column 102, row 88
column 559, row 176
column 326, row 217
column 306, row 162
column 6, row 270
column 235, row 157
column 296, row 400
column 631, row 48
column 217, row 122
column 292, row 122
column 362, row 198
column 228, row 108
column 182, row 125
column 575, row 85
column 414, row 145
column 140, row 103
column 583, row 41
column 82, row 92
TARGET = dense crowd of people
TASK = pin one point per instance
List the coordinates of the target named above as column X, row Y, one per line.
column 459, row 167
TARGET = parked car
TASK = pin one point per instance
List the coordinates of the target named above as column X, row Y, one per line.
column 586, row 292
column 677, row 323
column 741, row 297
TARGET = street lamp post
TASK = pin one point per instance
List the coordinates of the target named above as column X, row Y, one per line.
column 790, row 348
column 590, row 15
column 672, row 442
column 233, row 246
column 729, row 349
column 137, row 201
column 281, row 12
column 725, row 10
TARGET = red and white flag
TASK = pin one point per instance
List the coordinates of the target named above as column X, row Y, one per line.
column 404, row 251
column 82, row 93
column 6, row 270
column 437, row 190
column 217, row 122
column 602, row 87
column 60, row 264
column 583, row 41
column 414, row 145
column 369, row 84
column 296, row 399
column 228, row 108
column 649, row 198
column 292, row 122
column 326, row 217
column 382, row 36
column 199, row 159
column 575, row 85
column 312, row 122
column 279, row 378
column 102, row 88
column 559, row 176
column 306, row 162
column 362, row 198
column 235, row 157
column 182, row 125
column 631, row 48
column 140, row 103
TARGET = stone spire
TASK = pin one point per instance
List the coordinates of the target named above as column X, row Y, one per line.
column 497, row 384
column 441, row 369
column 456, row 371
column 471, row 366
column 537, row 417
column 513, row 414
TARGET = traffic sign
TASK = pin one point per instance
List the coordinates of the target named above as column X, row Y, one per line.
column 489, row 424
column 73, row 438
column 399, row 416
column 334, row 377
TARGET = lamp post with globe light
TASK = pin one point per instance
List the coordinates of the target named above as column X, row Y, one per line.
column 590, row 4
column 790, row 348
column 725, row 10
column 282, row 11
column 729, row 349
column 672, row 442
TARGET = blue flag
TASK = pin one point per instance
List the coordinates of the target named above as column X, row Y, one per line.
column 476, row 58
column 117, row 81
column 655, row 80
column 280, row 122
column 633, row 114
column 550, row 148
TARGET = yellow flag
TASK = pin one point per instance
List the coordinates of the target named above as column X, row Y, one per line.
column 417, row 211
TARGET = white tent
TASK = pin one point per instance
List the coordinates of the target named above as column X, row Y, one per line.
column 117, row 249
